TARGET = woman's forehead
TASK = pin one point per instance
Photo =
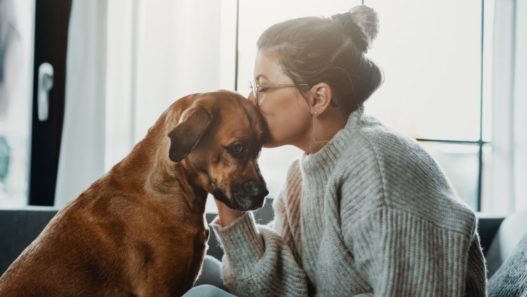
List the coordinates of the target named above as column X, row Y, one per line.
column 267, row 67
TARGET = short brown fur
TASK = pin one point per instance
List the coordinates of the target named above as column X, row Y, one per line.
column 139, row 230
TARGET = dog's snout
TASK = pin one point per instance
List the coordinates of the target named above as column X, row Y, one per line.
column 255, row 189
column 248, row 195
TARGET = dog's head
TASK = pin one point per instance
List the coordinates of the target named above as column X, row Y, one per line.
column 218, row 138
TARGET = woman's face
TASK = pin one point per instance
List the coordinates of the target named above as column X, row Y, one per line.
column 282, row 105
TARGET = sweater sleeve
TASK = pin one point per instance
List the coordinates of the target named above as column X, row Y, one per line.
column 401, row 254
column 258, row 260
column 476, row 270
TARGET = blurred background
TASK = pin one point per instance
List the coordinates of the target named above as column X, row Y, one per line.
column 81, row 81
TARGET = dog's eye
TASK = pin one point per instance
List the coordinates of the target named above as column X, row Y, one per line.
column 237, row 149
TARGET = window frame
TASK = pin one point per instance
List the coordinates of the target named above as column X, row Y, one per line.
column 51, row 38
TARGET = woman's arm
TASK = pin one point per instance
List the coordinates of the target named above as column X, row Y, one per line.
column 258, row 260
column 402, row 254
column 226, row 215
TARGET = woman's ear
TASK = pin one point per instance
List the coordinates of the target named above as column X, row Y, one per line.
column 321, row 98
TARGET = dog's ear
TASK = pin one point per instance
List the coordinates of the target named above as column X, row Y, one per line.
column 187, row 134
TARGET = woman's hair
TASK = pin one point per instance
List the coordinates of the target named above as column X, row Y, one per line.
column 331, row 50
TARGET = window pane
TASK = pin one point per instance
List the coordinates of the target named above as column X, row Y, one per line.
column 16, row 64
column 430, row 55
column 460, row 164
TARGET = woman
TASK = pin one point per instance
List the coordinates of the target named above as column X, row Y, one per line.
column 364, row 211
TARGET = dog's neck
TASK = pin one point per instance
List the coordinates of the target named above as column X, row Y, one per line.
column 157, row 175
column 171, row 179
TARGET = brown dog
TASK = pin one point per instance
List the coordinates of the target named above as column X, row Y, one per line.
column 140, row 230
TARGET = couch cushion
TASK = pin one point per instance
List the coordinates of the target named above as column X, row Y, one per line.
column 510, row 280
column 18, row 228
column 511, row 231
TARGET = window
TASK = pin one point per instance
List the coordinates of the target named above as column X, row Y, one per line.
column 16, row 64
column 32, row 84
column 433, row 90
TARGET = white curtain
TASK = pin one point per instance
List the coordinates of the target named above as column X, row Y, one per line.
column 127, row 61
column 509, row 109
column 82, row 149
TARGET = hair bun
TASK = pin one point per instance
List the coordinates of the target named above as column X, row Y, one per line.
column 366, row 18
column 360, row 18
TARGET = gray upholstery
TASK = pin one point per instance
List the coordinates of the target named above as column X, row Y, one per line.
column 507, row 238
column 18, row 228
column 507, row 258
column 487, row 228
column 510, row 280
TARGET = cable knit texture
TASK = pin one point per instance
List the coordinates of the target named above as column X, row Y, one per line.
column 370, row 214
column 511, row 278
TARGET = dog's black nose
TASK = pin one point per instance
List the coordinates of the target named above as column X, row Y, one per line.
column 255, row 189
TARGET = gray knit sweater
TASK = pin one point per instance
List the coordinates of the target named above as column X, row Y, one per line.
column 370, row 214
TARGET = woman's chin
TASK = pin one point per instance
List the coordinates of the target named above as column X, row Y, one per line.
column 272, row 144
column 269, row 145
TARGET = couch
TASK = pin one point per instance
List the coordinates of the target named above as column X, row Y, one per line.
column 19, row 227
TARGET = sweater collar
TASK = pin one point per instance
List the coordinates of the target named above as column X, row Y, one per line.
column 331, row 151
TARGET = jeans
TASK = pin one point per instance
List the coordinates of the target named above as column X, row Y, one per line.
column 209, row 283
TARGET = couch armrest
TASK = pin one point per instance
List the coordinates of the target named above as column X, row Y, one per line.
column 487, row 228
column 511, row 231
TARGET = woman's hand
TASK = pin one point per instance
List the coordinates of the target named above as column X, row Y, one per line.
column 227, row 215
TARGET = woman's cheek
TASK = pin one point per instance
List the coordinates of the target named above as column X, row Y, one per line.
column 275, row 128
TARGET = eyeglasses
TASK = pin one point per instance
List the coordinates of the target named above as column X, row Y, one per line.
column 256, row 89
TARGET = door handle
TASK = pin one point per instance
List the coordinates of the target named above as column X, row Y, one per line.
column 45, row 84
